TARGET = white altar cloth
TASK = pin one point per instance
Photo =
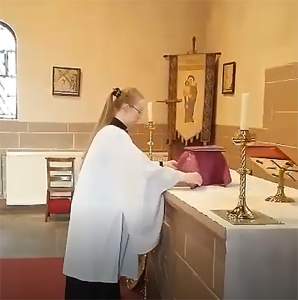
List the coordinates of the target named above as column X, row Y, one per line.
column 261, row 260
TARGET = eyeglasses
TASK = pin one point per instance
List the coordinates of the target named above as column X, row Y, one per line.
column 136, row 109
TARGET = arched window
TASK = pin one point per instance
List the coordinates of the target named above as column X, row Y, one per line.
column 8, row 80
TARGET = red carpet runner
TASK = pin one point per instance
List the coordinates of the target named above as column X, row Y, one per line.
column 38, row 279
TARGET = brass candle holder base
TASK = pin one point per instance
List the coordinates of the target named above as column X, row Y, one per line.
column 241, row 212
column 280, row 196
column 140, row 282
column 258, row 218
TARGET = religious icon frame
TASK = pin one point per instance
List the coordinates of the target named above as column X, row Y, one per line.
column 66, row 74
column 228, row 84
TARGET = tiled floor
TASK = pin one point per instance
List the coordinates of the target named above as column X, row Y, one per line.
column 24, row 233
column 28, row 243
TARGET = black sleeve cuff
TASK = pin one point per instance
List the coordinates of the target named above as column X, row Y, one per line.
column 161, row 163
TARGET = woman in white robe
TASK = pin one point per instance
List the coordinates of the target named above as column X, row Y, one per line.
column 117, row 208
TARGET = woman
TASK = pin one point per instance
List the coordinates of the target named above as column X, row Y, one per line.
column 117, row 207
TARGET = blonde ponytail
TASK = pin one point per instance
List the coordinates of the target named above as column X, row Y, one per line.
column 106, row 117
column 113, row 104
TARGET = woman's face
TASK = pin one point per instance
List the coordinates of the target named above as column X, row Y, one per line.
column 134, row 112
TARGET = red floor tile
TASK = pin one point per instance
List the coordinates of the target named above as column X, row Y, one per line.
column 37, row 278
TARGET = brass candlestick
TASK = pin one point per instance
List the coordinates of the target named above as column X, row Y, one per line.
column 242, row 214
column 242, row 211
column 142, row 270
column 277, row 164
column 144, row 257
column 280, row 196
column 150, row 143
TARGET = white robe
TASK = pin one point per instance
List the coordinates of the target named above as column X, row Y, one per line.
column 117, row 209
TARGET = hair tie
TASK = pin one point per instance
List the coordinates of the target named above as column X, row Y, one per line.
column 116, row 92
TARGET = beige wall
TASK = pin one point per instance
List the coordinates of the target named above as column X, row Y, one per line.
column 115, row 43
column 262, row 37
column 258, row 35
column 123, row 42
column 280, row 121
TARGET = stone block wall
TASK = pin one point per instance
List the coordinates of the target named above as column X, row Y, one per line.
column 188, row 263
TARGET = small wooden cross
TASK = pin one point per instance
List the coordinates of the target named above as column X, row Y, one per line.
column 169, row 101
column 194, row 46
column 171, row 119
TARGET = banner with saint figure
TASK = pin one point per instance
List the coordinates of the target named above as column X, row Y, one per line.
column 195, row 87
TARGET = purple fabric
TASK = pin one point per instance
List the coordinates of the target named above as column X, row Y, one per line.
column 212, row 166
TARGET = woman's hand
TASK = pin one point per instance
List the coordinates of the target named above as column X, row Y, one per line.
column 194, row 179
column 171, row 164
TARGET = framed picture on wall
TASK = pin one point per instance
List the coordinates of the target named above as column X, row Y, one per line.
column 66, row 81
column 228, row 78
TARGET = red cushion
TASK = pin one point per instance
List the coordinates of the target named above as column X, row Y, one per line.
column 59, row 206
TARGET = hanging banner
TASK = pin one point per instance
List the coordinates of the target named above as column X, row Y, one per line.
column 191, row 96
column 191, row 89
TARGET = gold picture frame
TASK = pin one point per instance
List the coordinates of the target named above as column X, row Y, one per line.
column 228, row 78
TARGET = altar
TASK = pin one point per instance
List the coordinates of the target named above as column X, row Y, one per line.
column 202, row 256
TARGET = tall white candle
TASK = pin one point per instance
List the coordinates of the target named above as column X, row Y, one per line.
column 150, row 114
column 244, row 112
